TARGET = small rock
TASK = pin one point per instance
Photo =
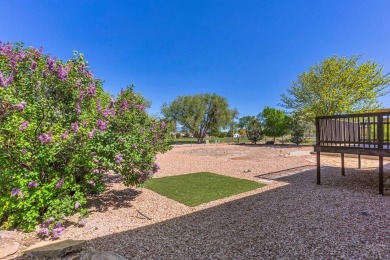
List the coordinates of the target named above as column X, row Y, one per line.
column 246, row 171
column 364, row 213
column 54, row 249
column 107, row 255
column 8, row 247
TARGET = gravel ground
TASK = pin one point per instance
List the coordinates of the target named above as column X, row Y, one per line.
column 291, row 217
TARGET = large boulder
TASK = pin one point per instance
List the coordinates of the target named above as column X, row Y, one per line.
column 8, row 247
column 54, row 249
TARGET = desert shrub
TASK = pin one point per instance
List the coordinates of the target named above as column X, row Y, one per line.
column 297, row 127
column 254, row 131
column 59, row 131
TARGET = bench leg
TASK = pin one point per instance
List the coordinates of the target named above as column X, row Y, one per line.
column 381, row 175
column 359, row 162
column 342, row 165
column 318, row 169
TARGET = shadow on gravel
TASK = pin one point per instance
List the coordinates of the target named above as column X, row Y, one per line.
column 111, row 200
column 276, row 146
column 287, row 171
column 300, row 220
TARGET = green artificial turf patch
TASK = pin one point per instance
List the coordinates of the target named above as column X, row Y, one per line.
column 196, row 188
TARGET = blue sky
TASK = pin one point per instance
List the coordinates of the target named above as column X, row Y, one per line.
column 247, row 51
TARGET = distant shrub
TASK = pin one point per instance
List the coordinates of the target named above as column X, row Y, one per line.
column 254, row 131
column 297, row 127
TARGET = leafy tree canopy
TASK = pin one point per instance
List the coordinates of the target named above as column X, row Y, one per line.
column 243, row 122
column 335, row 86
column 199, row 113
column 276, row 122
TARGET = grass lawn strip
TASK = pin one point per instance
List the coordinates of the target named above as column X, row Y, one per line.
column 197, row 188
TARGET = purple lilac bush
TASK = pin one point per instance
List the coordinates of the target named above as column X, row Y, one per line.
column 59, row 132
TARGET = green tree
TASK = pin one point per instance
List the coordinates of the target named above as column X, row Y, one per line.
column 233, row 124
column 254, row 131
column 337, row 85
column 199, row 113
column 243, row 122
column 275, row 122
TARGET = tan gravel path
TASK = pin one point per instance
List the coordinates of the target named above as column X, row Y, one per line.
column 290, row 218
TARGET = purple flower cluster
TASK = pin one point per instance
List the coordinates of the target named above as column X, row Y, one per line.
column 140, row 107
column 5, row 82
column 51, row 63
column 112, row 102
column 46, row 138
column 78, row 109
column 118, row 158
column 33, row 65
column 43, row 232
column 102, row 125
column 96, row 171
column 32, row 184
column 75, row 127
column 83, row 222
column 16, row 192
column 109, row 112
column 78, row 82
column 20, row 106
column 6, row 48
column 98, row 106
column 89, row 74
column 82, row 68
column 95, row 160
column 124, row 105
column 57, row 231
column 36, row 52
column 65, row 135
column 143, row 177
column 19, row 56
column 77, row 205
column 24, row 151
column 91, row 89
column 23, row 125
column 84, row 123
column 156, row 167
column 62, row 73
column 163, row 125
column 92, row 183
column 92, row 133
column 48, row 222
column 155, row 139
column 60, row 183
